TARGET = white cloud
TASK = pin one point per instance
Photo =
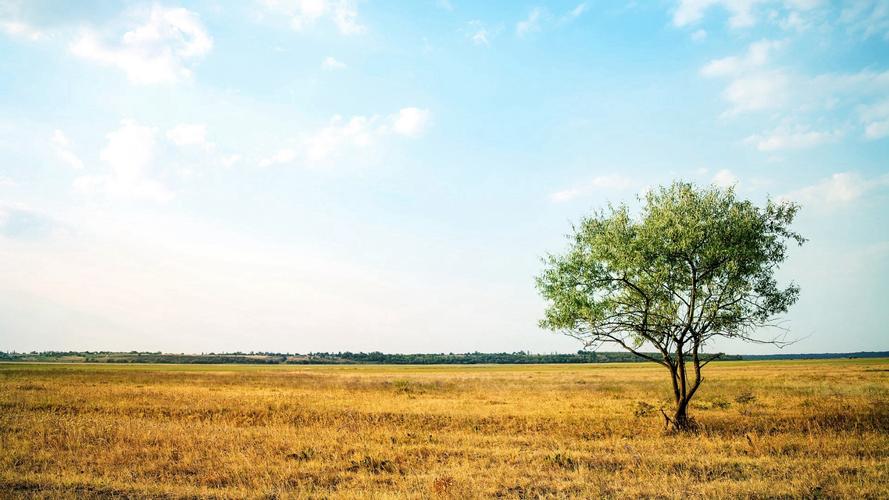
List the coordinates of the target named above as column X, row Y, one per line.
column 867, row 17
column 16, row 22
column 758, row 54
column 725, row 178
column 578, row 11
column 61, row 144
column 228, row 161
column 757, row 92
column 792, row 138
column 529, row 25
column 794, row 22
column 282, row 156
column 345, row 16
column 302, row 13
column 603, row 182
column 331, row 64
column 411, row 122
column 190, row 134
column 722, row 67
column 839, row 189
column 565, row 195
column 129, row 153
column 480, row 34
column 130, row 150
column 306, row 13
column 742, row 13
column 877, row 130
column 341, row 136
column 699, row 35
column 18, row 29
column 875, row 118
column 194, row 135
column 69, row 158
column 333, row 140
column 159, row 50
column 60, row 139
column 859, row 18
column 753, row 86
column 480, row 37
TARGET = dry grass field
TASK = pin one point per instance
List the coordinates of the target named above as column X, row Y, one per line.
column 768, row 429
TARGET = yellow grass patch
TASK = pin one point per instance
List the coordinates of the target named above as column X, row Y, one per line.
column 788, row 428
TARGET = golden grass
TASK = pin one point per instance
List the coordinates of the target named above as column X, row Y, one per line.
column 814, row 428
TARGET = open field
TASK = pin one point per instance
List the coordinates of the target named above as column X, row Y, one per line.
column 786, row 428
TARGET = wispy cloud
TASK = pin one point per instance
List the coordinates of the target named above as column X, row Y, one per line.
column 839, row 189
column 603, row 182
column 62, row 145
column 344, row 136
column 868, row 18
column 796, row 101
column 799, row 137
column 190, row 134
column 410, row 122
column 531, row 24
column 20, row 30
column 752, row 85
column 15, row 24
column 331, row 64
column 875, row 118
column 861, row 19
column 280, row 157
column 129, row 154
column 160, row 49
column 745, row 13
column 481, row 34
column 577, row 11
column 725, row 178
column 304, row 14
column 758, row 54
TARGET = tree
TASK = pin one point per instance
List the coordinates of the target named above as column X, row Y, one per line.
column 697, row 264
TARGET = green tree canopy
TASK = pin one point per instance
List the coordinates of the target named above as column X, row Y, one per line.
column 696, row 264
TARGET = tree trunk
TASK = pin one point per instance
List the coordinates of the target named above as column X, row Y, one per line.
column 682, row 395
column 681, row 421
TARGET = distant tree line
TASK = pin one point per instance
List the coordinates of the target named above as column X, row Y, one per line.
column 460, row 359
column 331, row 358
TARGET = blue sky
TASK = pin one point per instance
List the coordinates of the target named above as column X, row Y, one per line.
column 323, row 175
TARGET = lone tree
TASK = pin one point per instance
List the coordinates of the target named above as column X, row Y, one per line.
column 697, row 264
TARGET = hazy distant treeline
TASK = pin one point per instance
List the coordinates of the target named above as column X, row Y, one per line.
column 318, row 357
column 466, row 358
column 328, row 358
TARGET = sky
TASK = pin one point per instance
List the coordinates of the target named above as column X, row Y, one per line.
column 332, row 175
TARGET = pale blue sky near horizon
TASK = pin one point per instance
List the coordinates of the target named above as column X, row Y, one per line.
column 327, row 175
